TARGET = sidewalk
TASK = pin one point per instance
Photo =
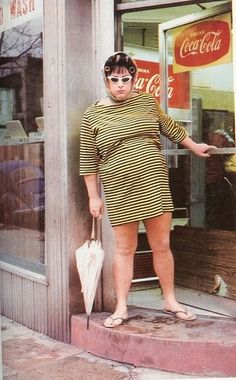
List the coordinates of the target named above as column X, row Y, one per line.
column 27, row 355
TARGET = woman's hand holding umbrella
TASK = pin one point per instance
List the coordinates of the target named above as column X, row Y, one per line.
column 96, row 207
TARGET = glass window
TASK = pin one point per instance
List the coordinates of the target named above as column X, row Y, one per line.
column 22, row 191
column 211, row 112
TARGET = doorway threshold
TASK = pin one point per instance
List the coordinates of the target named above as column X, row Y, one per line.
column 150, row 296
column 150, row 338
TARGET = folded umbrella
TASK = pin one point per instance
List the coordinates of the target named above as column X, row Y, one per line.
column 89, row 261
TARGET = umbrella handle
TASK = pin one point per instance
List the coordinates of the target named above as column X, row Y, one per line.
column 95, row 229
column 87, row 322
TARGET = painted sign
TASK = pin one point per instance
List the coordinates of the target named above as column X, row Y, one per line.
column 202, row 43
column 16, row 12
column 149, row 81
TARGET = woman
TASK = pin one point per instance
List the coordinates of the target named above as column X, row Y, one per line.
column 120, row 140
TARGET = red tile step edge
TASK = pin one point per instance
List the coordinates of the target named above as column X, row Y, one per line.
column 206, row 346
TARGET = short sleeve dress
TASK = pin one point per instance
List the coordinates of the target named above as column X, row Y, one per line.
column 121, row 143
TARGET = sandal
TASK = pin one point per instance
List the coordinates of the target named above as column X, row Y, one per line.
column 114, row 322
column 190, row 317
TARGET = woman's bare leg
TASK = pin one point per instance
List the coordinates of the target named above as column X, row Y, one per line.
column 158, row 233
column 125, row 247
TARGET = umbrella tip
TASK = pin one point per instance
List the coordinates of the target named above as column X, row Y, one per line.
column 88, row 322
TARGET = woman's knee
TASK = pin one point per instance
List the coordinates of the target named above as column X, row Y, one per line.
column 126, row 238
column 126, row 247
column 161, row 245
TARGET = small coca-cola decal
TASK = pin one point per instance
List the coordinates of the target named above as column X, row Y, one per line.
column 202, row 43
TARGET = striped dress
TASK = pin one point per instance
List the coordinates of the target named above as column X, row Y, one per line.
column 121, row 142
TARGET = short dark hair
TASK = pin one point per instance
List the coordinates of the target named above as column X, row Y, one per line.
column 120, row 59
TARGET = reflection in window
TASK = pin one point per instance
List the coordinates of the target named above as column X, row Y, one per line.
column 220, row 172
column 215, row 208
column 22, row 191
column 21, row 75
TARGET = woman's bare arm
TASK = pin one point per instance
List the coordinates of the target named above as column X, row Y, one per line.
column 96, row 206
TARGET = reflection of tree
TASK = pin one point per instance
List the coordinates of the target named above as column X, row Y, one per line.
column 21, row 70
column 19, row 42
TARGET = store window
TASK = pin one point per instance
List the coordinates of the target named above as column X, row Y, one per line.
column 22, row 191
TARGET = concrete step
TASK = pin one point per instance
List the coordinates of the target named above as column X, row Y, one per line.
column 150, row 338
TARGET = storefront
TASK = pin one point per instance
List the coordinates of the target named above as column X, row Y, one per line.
column 46, row 81
column 50, row 63
column 184, row 55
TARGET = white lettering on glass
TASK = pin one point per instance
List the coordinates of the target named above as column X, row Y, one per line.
column 209, row 43
column 21, row 7
column 152, row 85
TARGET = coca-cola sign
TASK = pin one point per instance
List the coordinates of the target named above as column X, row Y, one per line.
column 202, row 43
column 149, row 81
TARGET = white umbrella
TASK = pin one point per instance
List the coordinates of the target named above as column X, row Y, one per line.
column 89, row 260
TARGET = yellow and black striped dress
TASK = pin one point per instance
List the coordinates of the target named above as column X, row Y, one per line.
column 121, row 142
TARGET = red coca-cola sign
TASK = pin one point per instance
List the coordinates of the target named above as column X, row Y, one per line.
column 202, row 43
column 149, row 81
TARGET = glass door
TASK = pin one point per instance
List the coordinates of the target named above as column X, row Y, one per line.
column 184, row 58
column 196, row 89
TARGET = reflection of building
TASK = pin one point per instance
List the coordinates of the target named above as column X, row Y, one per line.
column 24, row 79
column 72, row 59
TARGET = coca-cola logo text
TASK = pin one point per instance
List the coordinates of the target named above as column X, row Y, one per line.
column 149, row 81
column 202, row 43
column 152, row 85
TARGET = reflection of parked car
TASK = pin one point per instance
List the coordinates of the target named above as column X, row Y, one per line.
column 22, row 194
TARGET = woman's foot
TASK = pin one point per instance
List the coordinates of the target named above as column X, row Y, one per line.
column 116, row 319
column 178, row 311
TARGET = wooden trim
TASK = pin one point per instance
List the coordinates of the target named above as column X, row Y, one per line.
column 56, row 171
column 197, row 16
column 200, row 254
column 24, row 273
column 151, row 4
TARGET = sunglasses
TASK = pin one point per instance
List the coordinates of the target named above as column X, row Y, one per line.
column 125, row 79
